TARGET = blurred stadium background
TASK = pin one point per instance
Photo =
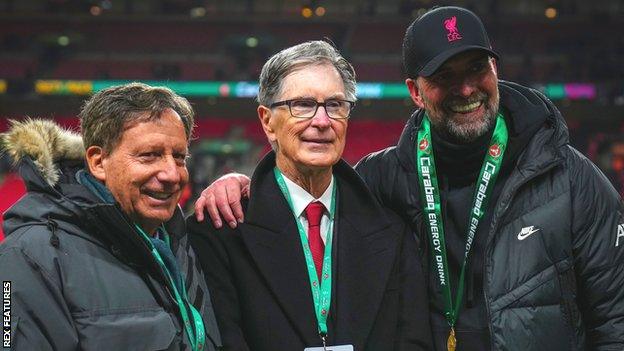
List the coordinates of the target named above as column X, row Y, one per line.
column 54, row 53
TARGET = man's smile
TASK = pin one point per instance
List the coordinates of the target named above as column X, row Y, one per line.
column 466, row 108
column 159, row 195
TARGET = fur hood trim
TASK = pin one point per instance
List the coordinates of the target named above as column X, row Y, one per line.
column 45, row 142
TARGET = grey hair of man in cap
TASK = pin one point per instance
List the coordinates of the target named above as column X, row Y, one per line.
column 296, row 57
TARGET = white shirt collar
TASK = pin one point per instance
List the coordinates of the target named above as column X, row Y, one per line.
column 301, row 198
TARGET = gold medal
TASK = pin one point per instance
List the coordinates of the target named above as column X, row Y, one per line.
column 451, row 343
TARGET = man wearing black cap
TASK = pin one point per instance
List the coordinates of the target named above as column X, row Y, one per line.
column 521, row 229
column 525, row 236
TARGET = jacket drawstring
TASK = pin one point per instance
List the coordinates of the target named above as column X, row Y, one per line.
column 52, row 226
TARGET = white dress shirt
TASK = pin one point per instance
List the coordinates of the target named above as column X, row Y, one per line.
column 301, row 198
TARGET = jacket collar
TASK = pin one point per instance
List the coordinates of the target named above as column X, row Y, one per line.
column 80, row 212
column 364, row 251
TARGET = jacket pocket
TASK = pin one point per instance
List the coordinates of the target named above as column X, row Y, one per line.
column 127, row 329
column 541, row 314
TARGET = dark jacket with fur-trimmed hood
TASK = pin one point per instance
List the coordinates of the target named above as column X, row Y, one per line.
column 557, row 285
column 81, row 277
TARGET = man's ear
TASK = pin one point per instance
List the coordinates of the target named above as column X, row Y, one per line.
column 95, row 161
column 414, row 93
column 264, row 114
column 494, row 65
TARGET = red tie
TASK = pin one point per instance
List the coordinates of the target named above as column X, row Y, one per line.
column 314, row 212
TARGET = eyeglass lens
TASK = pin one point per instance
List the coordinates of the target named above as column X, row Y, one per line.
column 307, row 108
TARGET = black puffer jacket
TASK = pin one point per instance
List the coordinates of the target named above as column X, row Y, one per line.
column 561, row 287
column 81, row 277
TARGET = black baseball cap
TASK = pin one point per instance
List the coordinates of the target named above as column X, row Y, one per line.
column 440, row 34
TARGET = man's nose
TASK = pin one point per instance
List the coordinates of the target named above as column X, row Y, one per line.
column 321, row 119
column 466, row 87
column 169, row 171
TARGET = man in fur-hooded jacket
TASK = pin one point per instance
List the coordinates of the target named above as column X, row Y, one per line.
column 96, row 257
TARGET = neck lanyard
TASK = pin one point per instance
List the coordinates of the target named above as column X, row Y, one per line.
column 321, row 292
column 430, row 198
column 196, row 337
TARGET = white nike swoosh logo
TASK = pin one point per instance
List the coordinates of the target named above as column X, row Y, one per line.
column 526, row 231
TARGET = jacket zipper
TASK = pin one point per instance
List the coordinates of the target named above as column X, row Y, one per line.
column 486, row 257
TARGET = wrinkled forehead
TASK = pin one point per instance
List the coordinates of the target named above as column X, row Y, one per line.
column 168, row 121
column 311, row 80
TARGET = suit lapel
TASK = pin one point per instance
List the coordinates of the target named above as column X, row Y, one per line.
column 367, row 246
column 271, row 236
column 365, row 251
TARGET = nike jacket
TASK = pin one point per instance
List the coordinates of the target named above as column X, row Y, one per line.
column 553, row 256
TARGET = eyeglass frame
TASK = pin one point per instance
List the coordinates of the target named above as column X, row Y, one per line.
column 318, row 104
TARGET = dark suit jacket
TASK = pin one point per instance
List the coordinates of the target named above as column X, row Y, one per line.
column 260, row 286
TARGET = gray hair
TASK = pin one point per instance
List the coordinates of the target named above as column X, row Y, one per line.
column 106, row 114
column 296, row 57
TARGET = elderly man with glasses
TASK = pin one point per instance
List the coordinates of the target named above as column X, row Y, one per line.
column 317, row 263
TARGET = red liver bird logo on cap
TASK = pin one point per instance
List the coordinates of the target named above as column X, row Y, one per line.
column 451, row 26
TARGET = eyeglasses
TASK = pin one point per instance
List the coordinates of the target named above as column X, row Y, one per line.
column 307, row 108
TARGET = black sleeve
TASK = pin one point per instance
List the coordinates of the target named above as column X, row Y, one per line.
column 214, row 259
column 598, row 239
column 378, row 170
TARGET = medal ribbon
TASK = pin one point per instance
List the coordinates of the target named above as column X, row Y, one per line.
column 430, row 197
column 321, row 292
column 196, row 337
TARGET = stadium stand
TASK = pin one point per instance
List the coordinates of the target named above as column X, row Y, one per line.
column 193, row 40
